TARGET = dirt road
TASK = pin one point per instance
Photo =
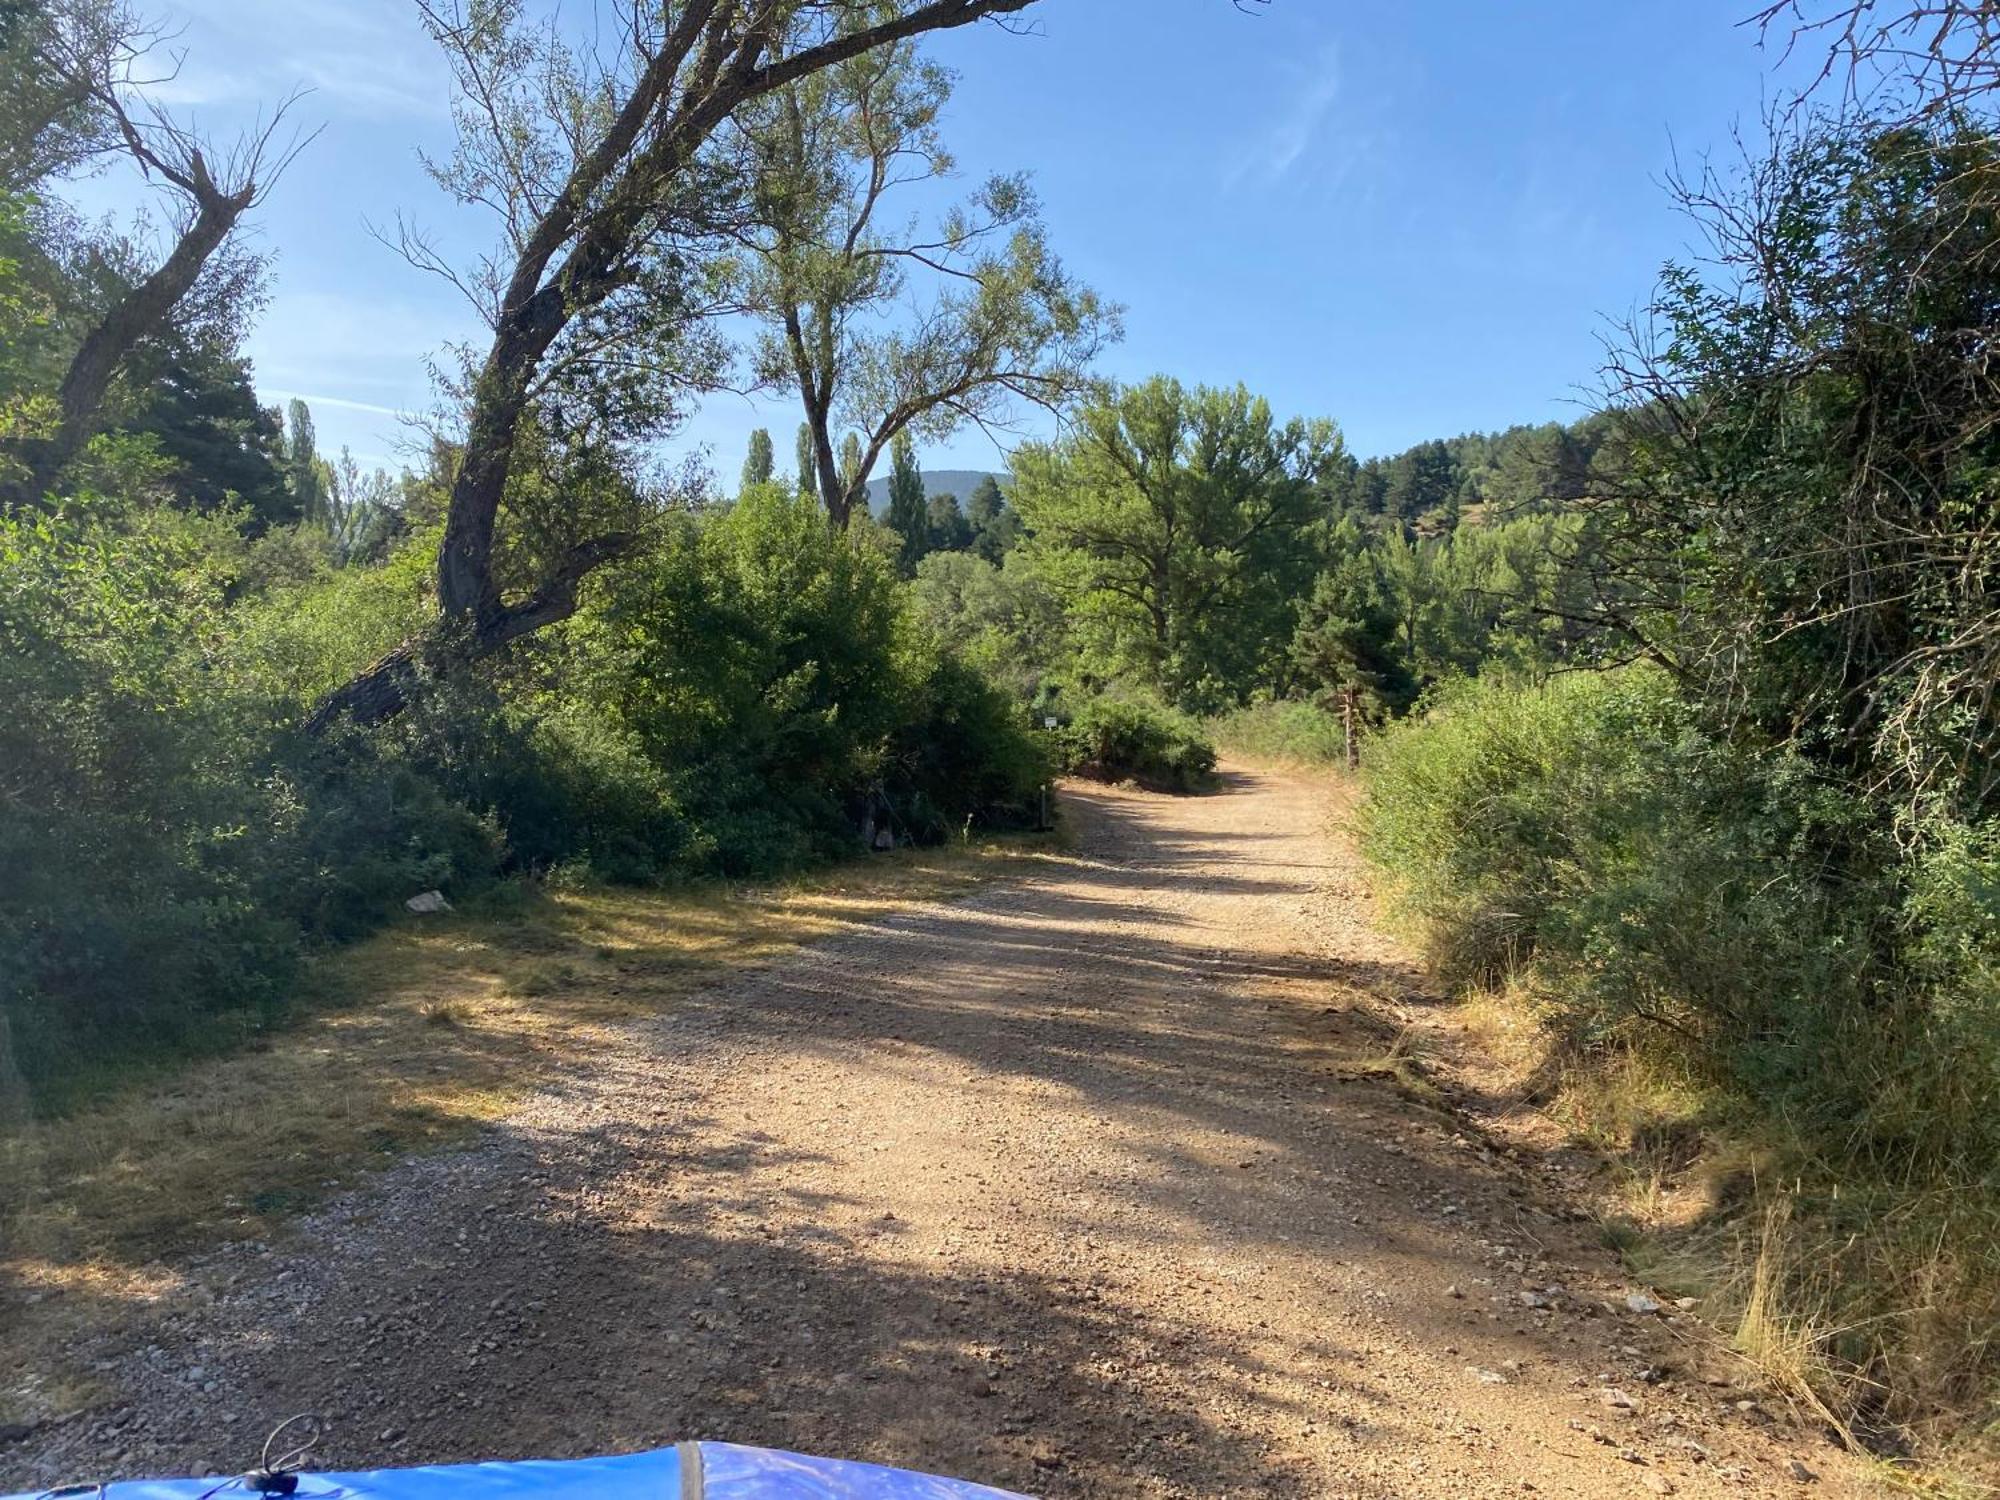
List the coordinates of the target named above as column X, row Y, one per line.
column 1072, row 1187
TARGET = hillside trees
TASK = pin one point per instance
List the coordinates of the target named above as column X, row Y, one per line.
column 1180, row 524
column 885, row 327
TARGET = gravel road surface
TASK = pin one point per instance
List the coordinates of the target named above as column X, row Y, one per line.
column 1080, row 1186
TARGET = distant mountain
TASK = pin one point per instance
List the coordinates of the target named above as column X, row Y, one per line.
column 959, row 482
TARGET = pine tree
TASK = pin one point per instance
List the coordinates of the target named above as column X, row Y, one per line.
column 1346, row 636
column 950, row 531
column 908, row 517
column 761, row 462
column 995, row 527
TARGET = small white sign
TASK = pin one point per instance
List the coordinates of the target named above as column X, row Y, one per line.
column 1050, row 721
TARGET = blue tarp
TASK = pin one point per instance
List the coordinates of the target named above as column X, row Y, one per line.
column 693, row 1471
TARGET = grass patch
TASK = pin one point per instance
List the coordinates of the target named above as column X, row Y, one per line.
column 403, row 1043
column 1299, row 736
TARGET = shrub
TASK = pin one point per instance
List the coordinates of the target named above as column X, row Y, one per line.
column 735, row 701
column 169, row 854
column 968, row 758
column 761, row 660
column 1124, row 739
column 1732, row 916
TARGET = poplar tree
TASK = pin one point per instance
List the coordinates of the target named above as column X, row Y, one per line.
column 761, row 462
column 908, row 517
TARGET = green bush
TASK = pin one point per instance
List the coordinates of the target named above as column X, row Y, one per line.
column 967, row 759
column 763, row 677
column 169, row 853
column 1823, row 979
column 1121, row 739
column 761, row 660
column 740, row 698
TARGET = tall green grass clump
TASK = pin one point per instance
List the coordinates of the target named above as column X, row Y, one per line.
column 1286, row 732
column 1824, row 983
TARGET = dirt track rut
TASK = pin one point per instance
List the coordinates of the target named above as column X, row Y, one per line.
column 1070, row 1187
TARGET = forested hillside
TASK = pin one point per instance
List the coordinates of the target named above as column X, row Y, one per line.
column 1679, row 722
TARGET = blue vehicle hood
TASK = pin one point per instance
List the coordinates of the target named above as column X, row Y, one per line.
column 691, row 1471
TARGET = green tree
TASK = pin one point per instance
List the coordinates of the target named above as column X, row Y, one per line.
column 87, row 92
column 1806, row 533
column 194, row 398
column 908, row 517
column 995, row 526
column 603, row 172
column 808, row 481
column 1347, row 631
column 49, row 125
column 1006, row 620
column 1180, row 524
column 997, row 319
column 1420, row 481
column 850, row 474
column 305, row 472
column 946, row 523
column 761, row 462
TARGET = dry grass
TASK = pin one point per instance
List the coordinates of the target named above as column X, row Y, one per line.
column 1699, row 1207
column 405, row 1043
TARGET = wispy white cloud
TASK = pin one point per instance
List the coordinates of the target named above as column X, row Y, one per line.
column 364, row 56
column 1281, row 145
column 313, row 399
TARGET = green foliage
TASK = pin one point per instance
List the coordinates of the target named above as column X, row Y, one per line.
column 1735, row 916
column 172, row 851
column 1346, row 636
column 1179, row 526
column 737, row 699
column 1006, row 620
column 764, row 678
column 996, row 527
column 1125, row 739
column 907, row 516
column 762, row 657
column 1807, row 528
column 966, row 758
column 808, row 479
column 760, row 464
column 1300, row 733
column 948, row 529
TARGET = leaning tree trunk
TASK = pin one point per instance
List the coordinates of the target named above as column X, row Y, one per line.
column 575, row 256
column 139, row 313
column 463, row 637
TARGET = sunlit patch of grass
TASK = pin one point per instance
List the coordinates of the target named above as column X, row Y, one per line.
column 401, row 1044
column 1792, row 1259
column 1400, row 1064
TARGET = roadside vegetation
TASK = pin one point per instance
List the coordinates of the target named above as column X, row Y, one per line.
column 1744, row 876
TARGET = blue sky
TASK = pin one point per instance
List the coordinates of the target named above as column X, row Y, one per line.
column 1415, row 219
